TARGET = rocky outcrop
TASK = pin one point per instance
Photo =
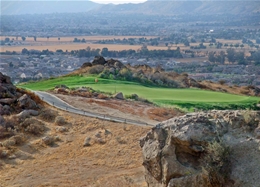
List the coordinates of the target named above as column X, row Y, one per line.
column 218, row 148
column 99, row 60
column 26, row 102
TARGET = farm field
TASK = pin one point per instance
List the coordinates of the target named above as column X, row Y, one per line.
column 77, row 46
column 186, row 98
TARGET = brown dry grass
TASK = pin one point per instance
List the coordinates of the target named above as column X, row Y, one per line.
column 69, row 163
column 76, row 46
column 240, row 90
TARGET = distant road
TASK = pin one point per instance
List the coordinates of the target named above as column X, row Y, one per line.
column 58, row 103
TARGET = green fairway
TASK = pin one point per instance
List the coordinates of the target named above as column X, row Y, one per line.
column 188, row 98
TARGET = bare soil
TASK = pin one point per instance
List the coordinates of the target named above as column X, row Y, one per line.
column 128, row 109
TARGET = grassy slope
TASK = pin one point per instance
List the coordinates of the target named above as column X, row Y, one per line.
column 183, row 97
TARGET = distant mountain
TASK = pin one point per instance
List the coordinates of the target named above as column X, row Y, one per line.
column 43, row 7
column 160, row 7
column 185, row 7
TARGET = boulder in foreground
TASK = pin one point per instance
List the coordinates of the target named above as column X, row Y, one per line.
column 218, row 148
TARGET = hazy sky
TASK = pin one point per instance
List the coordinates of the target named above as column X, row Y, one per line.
column 118, row 1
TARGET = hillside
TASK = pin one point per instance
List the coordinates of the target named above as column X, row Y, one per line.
column 45, row 7
column 176, row 7
column 43, row 146
column 158, row 7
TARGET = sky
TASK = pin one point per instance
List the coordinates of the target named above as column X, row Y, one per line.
column 118, row 1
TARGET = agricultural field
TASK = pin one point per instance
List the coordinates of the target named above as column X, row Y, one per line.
column 184, row 98
column 76, row 46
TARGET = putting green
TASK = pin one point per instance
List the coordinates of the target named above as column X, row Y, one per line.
column 158, row 95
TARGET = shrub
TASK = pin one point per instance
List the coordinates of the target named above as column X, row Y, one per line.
column 217, row 163
column 48, row 115
column 97, row 69
column 33, row 126
column 3, row 152
column 59, row 120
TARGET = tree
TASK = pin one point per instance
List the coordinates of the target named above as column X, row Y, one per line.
column 35, row 38
column 225, row 45
column 23, row 38
column 241, row 46
column 220, row 58
column 48, row 38
column 104, row 51
column 7, row 39
column 211, row 56
column 231, row 55
column 59, row 38
column 25, row 51
column 240, row 57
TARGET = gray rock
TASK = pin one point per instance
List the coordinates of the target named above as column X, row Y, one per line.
column 27, row 113
column 175, row 151
column 119, row 96
column 26, row 102
column 87, row 142
column 2, row 120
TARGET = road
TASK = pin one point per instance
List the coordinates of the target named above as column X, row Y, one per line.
column 58, row 103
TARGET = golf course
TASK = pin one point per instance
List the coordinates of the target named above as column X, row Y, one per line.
column 188, row 98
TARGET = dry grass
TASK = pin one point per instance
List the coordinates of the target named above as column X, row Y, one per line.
column 76, row 46
column 117, row 161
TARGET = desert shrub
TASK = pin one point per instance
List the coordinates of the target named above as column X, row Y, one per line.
column 11, row 122
column 217, row 164
column 59, row 120
column 8, row 143
column 33, row 126
column 120, row 140
column 96, row 69
column 4, row 133
column 222, row 82
column 250, row 119
column 3, row 152
column 132, row 96
column 126, row 73
column 48, row 115
column 18, row 139
column 50, row 140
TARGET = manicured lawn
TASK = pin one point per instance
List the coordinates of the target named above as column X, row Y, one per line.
column 188, row 98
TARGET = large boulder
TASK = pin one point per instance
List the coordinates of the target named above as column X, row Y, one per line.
column 119, row 95
column 99, row 60
column 218, row 148
column 26, row 102
column 7, row 89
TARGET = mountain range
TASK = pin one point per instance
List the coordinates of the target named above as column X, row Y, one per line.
column 159, row 7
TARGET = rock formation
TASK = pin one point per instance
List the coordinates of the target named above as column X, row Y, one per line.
column 218, row 148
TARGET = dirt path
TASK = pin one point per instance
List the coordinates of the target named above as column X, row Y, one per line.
column 134, row 110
